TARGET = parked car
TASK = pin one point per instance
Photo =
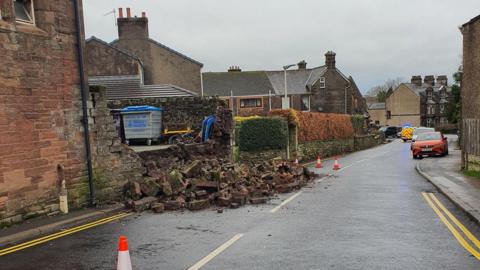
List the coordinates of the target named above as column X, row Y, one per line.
column 419, row 130
column 407, row 133
column 430, row 144
column 389, row 131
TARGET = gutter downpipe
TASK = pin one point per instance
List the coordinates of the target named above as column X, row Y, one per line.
column 83, row 91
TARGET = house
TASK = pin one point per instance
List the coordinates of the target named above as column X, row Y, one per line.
column 418, row 103
column 319, row 89
column 377, row 113
column 136, row 66
column 470, row 94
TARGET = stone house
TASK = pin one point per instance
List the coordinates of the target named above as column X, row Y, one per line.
column 45, row 111
column 470, row 93
column 136, row 66
column 377, row 113
column 319, row 89
column 419, row 103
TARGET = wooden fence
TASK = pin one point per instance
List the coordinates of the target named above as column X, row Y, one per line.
column 471, row 136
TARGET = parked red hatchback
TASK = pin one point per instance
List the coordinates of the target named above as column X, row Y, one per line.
column 430, row 144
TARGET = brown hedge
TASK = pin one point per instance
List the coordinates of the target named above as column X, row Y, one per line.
column 314, row 126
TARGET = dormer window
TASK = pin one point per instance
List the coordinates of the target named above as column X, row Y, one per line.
column 442, row 94
column 430, row 94
column 24, row 11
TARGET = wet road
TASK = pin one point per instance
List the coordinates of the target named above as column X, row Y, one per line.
column 369, row 215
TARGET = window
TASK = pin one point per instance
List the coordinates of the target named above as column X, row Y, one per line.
column 322, row 82
column 24, row 11
column 389, row 115
column 430, row 95
column 429, row 121
column 250, row 103
column 305, row 103
column 442, row 108
column 442, row 94
column 430, row 109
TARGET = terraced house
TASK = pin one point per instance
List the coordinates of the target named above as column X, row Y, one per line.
column 419, row 103
column 320, row 89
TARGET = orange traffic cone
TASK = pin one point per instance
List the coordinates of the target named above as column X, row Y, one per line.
column 319, row 163
column 336, row 165
column 123, row 262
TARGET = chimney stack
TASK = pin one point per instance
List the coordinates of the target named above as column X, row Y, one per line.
column 417, row 80
column 234, row 69
column 302, row 65
column 132, row 27
column 429, row 79
column 330, row 60
column 442, row 80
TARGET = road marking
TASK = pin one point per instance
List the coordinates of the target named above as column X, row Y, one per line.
column 61, row 234
column 216, row 252
column 344, row 168
column 361, row 160
column 323, row 178
column 456, row 221
column 450, row 227
column 285, row 202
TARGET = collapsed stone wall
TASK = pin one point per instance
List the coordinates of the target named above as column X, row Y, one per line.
column 179, row 113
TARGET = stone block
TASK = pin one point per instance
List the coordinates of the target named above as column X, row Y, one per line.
column 143, row 204
column 259, row 200
column 197, row 204
column 158, row 207
column 173, row 205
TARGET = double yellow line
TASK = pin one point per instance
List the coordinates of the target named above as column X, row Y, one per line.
column 436, row 205
column 61, row 234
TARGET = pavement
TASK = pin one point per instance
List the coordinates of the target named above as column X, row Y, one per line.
column 444, row 173
column 374, row 213
column 44, row 225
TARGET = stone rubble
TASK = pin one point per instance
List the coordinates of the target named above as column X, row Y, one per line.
column 201, row 183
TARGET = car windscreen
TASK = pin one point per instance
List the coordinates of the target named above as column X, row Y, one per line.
column 418, row 131
column 429, row 136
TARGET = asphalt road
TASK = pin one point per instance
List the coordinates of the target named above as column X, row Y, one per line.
column 369, row 215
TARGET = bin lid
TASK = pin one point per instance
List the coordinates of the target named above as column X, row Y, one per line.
column 141, row 108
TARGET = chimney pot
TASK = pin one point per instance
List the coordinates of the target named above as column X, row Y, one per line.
column 144, row 14
column 129, row 14
column 442, row 80
column 120, row 12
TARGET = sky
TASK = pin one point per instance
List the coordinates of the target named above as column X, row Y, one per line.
column 374, row 40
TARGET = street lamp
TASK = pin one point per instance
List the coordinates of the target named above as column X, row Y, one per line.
column 286, row 101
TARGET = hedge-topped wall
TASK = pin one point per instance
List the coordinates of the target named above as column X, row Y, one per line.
column 314, row 126
column 263, row 134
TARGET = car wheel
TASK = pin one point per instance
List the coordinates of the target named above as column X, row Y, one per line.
column 446, row 153
column 404, row 140
column 415, row 157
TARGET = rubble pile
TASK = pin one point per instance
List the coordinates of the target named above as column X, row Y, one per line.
column 200, row 183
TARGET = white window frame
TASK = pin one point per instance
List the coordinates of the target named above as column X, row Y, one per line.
column 322, row 82
column 32, row 14
column 308, row 102
column 442, row 108
column 430, row 95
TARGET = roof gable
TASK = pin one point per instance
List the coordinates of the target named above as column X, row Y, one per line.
column 103, row 43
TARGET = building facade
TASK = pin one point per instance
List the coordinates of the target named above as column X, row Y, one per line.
column 470, row 94
column 377, row 113
column 319, row 89
column 419, row 103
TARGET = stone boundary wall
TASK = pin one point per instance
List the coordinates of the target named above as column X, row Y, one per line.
column 257, row 157
column 179, row 113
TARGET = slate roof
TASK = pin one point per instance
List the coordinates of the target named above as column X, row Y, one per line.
column 166, row 48
column 251, row 83
column 419, row 90
column 377, row 106
column 247, row 83
column 131, row 87
column 297, row 80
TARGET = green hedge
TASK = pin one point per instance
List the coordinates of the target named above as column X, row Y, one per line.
column 262, row 134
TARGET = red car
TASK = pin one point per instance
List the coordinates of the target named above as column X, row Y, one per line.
column 430, row 144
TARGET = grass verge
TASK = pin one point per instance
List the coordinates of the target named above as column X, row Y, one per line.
column 475, row 174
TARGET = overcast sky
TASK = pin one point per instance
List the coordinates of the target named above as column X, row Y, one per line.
column 374, row 39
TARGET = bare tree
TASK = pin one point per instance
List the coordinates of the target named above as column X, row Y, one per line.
column 380, row 91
